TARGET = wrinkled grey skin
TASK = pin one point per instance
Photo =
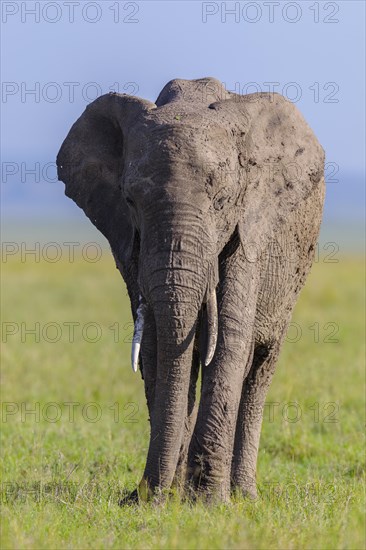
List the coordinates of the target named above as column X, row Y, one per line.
column 202, row 190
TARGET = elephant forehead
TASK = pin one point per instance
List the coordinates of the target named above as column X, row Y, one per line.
column 182, row 113
column 181, row 138
column 180, row 162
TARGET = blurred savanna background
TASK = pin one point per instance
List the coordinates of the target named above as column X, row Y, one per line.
column 74, row 420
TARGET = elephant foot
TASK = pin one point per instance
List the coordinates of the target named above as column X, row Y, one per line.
column 129, row 499
column 207, row 489
column 247, row 490
column 144, row 493
column 155, row 495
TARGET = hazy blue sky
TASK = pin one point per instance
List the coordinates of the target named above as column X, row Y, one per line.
column 313, row 50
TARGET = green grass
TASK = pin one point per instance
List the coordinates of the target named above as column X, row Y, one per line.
column 61, row 480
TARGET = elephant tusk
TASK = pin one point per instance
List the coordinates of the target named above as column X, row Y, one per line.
column 137, row 334
column 212, row 326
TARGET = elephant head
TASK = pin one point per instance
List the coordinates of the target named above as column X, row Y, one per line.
column 177, row 187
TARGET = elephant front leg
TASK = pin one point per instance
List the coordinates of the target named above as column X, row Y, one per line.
column 148, row 365
column 249, row 422
column 212, row 443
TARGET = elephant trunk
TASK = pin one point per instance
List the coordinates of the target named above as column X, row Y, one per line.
column 174, row 280
column 175, row 272
column 176, row 322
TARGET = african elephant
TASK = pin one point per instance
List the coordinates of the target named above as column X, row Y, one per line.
column 212, row 203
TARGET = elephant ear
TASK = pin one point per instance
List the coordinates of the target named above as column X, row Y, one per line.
column 91, row 162
column 280, row 160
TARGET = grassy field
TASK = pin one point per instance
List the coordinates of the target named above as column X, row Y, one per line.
column 75, row 430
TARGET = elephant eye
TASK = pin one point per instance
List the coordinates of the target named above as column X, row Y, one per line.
column 130, row 202
column 221, row 199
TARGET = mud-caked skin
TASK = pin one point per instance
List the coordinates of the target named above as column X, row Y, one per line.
column 202, row 193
